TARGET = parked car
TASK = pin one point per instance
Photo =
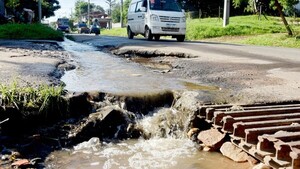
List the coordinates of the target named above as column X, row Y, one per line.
column 62, row 24
column 83, row 28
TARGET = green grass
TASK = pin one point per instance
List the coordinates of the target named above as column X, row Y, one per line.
column 278, row 40
column 240, row 25
column 29, row 31
column 114, row 32
column 37, row 100
column 267, row 32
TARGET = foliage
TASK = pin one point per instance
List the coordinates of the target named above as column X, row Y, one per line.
column 114, row 32
column 125, row 10
column 253, row 4
column 29, row 31
column 242, row 25
column 116, row 13
column 205, row 5
column 208, row 8
column 278, row 40
column 42, row 99
column 279, row 5
column 249, row 26
column 111, row 4
column 81, row 7
column 15, row 7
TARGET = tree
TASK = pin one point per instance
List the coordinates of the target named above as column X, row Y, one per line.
column 125, row 10
column 206, row 7
column 81, row 7
column 15, row 7
column 110, row 3
column 116, row 13
column 280, row 5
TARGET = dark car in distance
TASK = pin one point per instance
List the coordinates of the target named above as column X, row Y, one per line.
column 83, row 28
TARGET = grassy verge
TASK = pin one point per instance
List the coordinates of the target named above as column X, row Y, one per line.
column 277, row 40
column 40, row 100
column 29, row 31
column 246, row 30
column 240, row 25
column 114, row 32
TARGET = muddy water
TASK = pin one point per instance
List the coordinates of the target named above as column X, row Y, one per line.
column 156, row 153
column 98, row 71
column 103, row 72
column 167, row 148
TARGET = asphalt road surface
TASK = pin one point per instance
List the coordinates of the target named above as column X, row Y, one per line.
column 243, row 73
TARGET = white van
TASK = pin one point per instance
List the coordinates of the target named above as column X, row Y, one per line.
column 155, row 18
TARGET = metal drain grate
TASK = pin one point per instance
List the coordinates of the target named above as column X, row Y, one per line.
column 271, row 133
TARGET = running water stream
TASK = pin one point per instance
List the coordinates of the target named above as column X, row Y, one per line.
column 99, row 71
column 103, row 72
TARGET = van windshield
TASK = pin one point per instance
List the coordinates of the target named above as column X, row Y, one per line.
column 165, row 5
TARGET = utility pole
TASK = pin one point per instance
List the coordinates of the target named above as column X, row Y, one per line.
column 71, row 13
column 226, row 12
column 88, row 15
column 121, row 16
column 40, row 11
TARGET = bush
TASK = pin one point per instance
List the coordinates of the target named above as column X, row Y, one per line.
column 40, row 100
column 29, row 31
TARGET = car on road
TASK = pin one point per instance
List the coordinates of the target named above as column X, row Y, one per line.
column 95, row 29
column 62, row 24
column 156, row 18
column 83, row 28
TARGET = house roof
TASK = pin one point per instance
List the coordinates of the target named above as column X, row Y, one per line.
column 96, row 14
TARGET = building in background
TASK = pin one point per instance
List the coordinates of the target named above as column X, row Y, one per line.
column 103, row 19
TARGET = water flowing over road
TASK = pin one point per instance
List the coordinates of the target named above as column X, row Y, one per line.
column 99, row 71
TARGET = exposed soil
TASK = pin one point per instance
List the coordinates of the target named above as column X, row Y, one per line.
column 32, row 62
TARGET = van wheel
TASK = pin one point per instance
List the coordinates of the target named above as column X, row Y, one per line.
column 148, row 34
column 156, row 37
column 130, row 33
column 180, row 38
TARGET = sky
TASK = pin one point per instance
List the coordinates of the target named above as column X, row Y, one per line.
column 68, row 5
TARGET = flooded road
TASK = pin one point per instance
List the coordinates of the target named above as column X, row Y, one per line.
column 99, row 71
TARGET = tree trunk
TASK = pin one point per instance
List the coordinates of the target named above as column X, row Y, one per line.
column 279, row 9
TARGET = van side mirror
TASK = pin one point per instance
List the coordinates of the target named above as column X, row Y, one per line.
column 143, row 9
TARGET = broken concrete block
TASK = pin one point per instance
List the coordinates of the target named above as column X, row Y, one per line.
column 261, row 166
column 234, row 153
column 211, row 138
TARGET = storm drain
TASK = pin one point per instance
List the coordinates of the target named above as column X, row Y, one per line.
column 270, row 133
